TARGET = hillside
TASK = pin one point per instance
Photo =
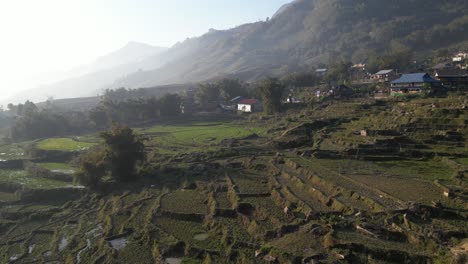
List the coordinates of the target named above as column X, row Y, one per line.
column 299, row 36
column 89, row 80
column 254, row 189
column 304, row 33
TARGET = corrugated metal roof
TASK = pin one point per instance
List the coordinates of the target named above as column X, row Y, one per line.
column 451, row 72
column 248, row 101
column 237, row 98
column 415, row 78
column 383, row 72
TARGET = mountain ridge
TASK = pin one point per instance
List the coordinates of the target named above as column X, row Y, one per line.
column 300, row 36
column 91, row 79
column 305, row 33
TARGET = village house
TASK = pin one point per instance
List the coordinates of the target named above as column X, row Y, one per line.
column 384, row 76
column 231, row 105
column 249, row 106
column 321, row 72
column 359, row 66
column 442, row 65
column 460, row 57
column 452, row 77
column 293, row 100
column 413, row 83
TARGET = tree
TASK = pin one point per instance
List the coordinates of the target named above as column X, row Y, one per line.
column 271, row 91
column 340, row 72
column 98, row 116
column 123, row 150
column 92, row 168
column 301, row 79
column 170, row 105
column 207, row 93
column 230, row 88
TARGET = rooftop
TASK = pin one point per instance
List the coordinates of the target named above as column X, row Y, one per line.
column 415, row 78
column 248, row 101
column 383, row 72
column 451, row 72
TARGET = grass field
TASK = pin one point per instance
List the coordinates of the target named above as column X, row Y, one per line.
column 184, row 201
column 22, row 177
column 427, row 169
column 55, row 166
column 196, row 136
column 64, row 144
column 12, row 151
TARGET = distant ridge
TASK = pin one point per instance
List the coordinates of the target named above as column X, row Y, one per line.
column 300, row 36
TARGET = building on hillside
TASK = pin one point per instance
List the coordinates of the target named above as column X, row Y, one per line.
column 249, row 105
column 231, row 105
column 359, row 66
column 460, row 57
column 236, row 99
column 452, row 77
column 442, row 65
column 293, row 100
column 321, row 72
column 384, row 76
column 414, row 83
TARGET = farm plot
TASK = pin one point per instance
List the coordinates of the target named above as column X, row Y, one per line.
column 195, row 137
column 7, row 197
column 185, row 202
column 222, row 200
column 233, row 228
column 346, row 236
column 12, row 151
column 404, row 189
column 250, row 184
column 189, row 231
column 267, row 207
column 299, row 244
column 58, row 167
column 23, row 178
column 64, row 144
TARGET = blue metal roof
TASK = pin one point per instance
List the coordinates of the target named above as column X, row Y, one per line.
column 415, row 78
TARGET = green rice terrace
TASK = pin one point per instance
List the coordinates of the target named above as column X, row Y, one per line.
column 351, row 181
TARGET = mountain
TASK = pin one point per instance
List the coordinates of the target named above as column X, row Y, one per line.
column 304, row 33
column 300, row 36
column 89, row 80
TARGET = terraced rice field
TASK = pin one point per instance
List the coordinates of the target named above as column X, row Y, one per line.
column 262, row 204
column 64, row 144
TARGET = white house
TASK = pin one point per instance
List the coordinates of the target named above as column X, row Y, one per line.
column 249, row 106
column 321, row 72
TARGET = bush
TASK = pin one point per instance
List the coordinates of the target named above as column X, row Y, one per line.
column 92, row 168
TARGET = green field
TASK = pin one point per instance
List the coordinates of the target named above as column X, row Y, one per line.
column 279, row 202
column 184, row 201
column 195, row 136
column 64, row 144
column 53, row 166
column 22, row 177
column 12, row 151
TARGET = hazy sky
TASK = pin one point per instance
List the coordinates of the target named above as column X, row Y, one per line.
column 39, row 37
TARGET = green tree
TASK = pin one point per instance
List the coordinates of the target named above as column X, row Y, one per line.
column 340, row 72
column 98, row 116
column 169, row 105
column 123, row 150
column 92, row 168
column 207, row 93
column 230, row 88
column 271, row 91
